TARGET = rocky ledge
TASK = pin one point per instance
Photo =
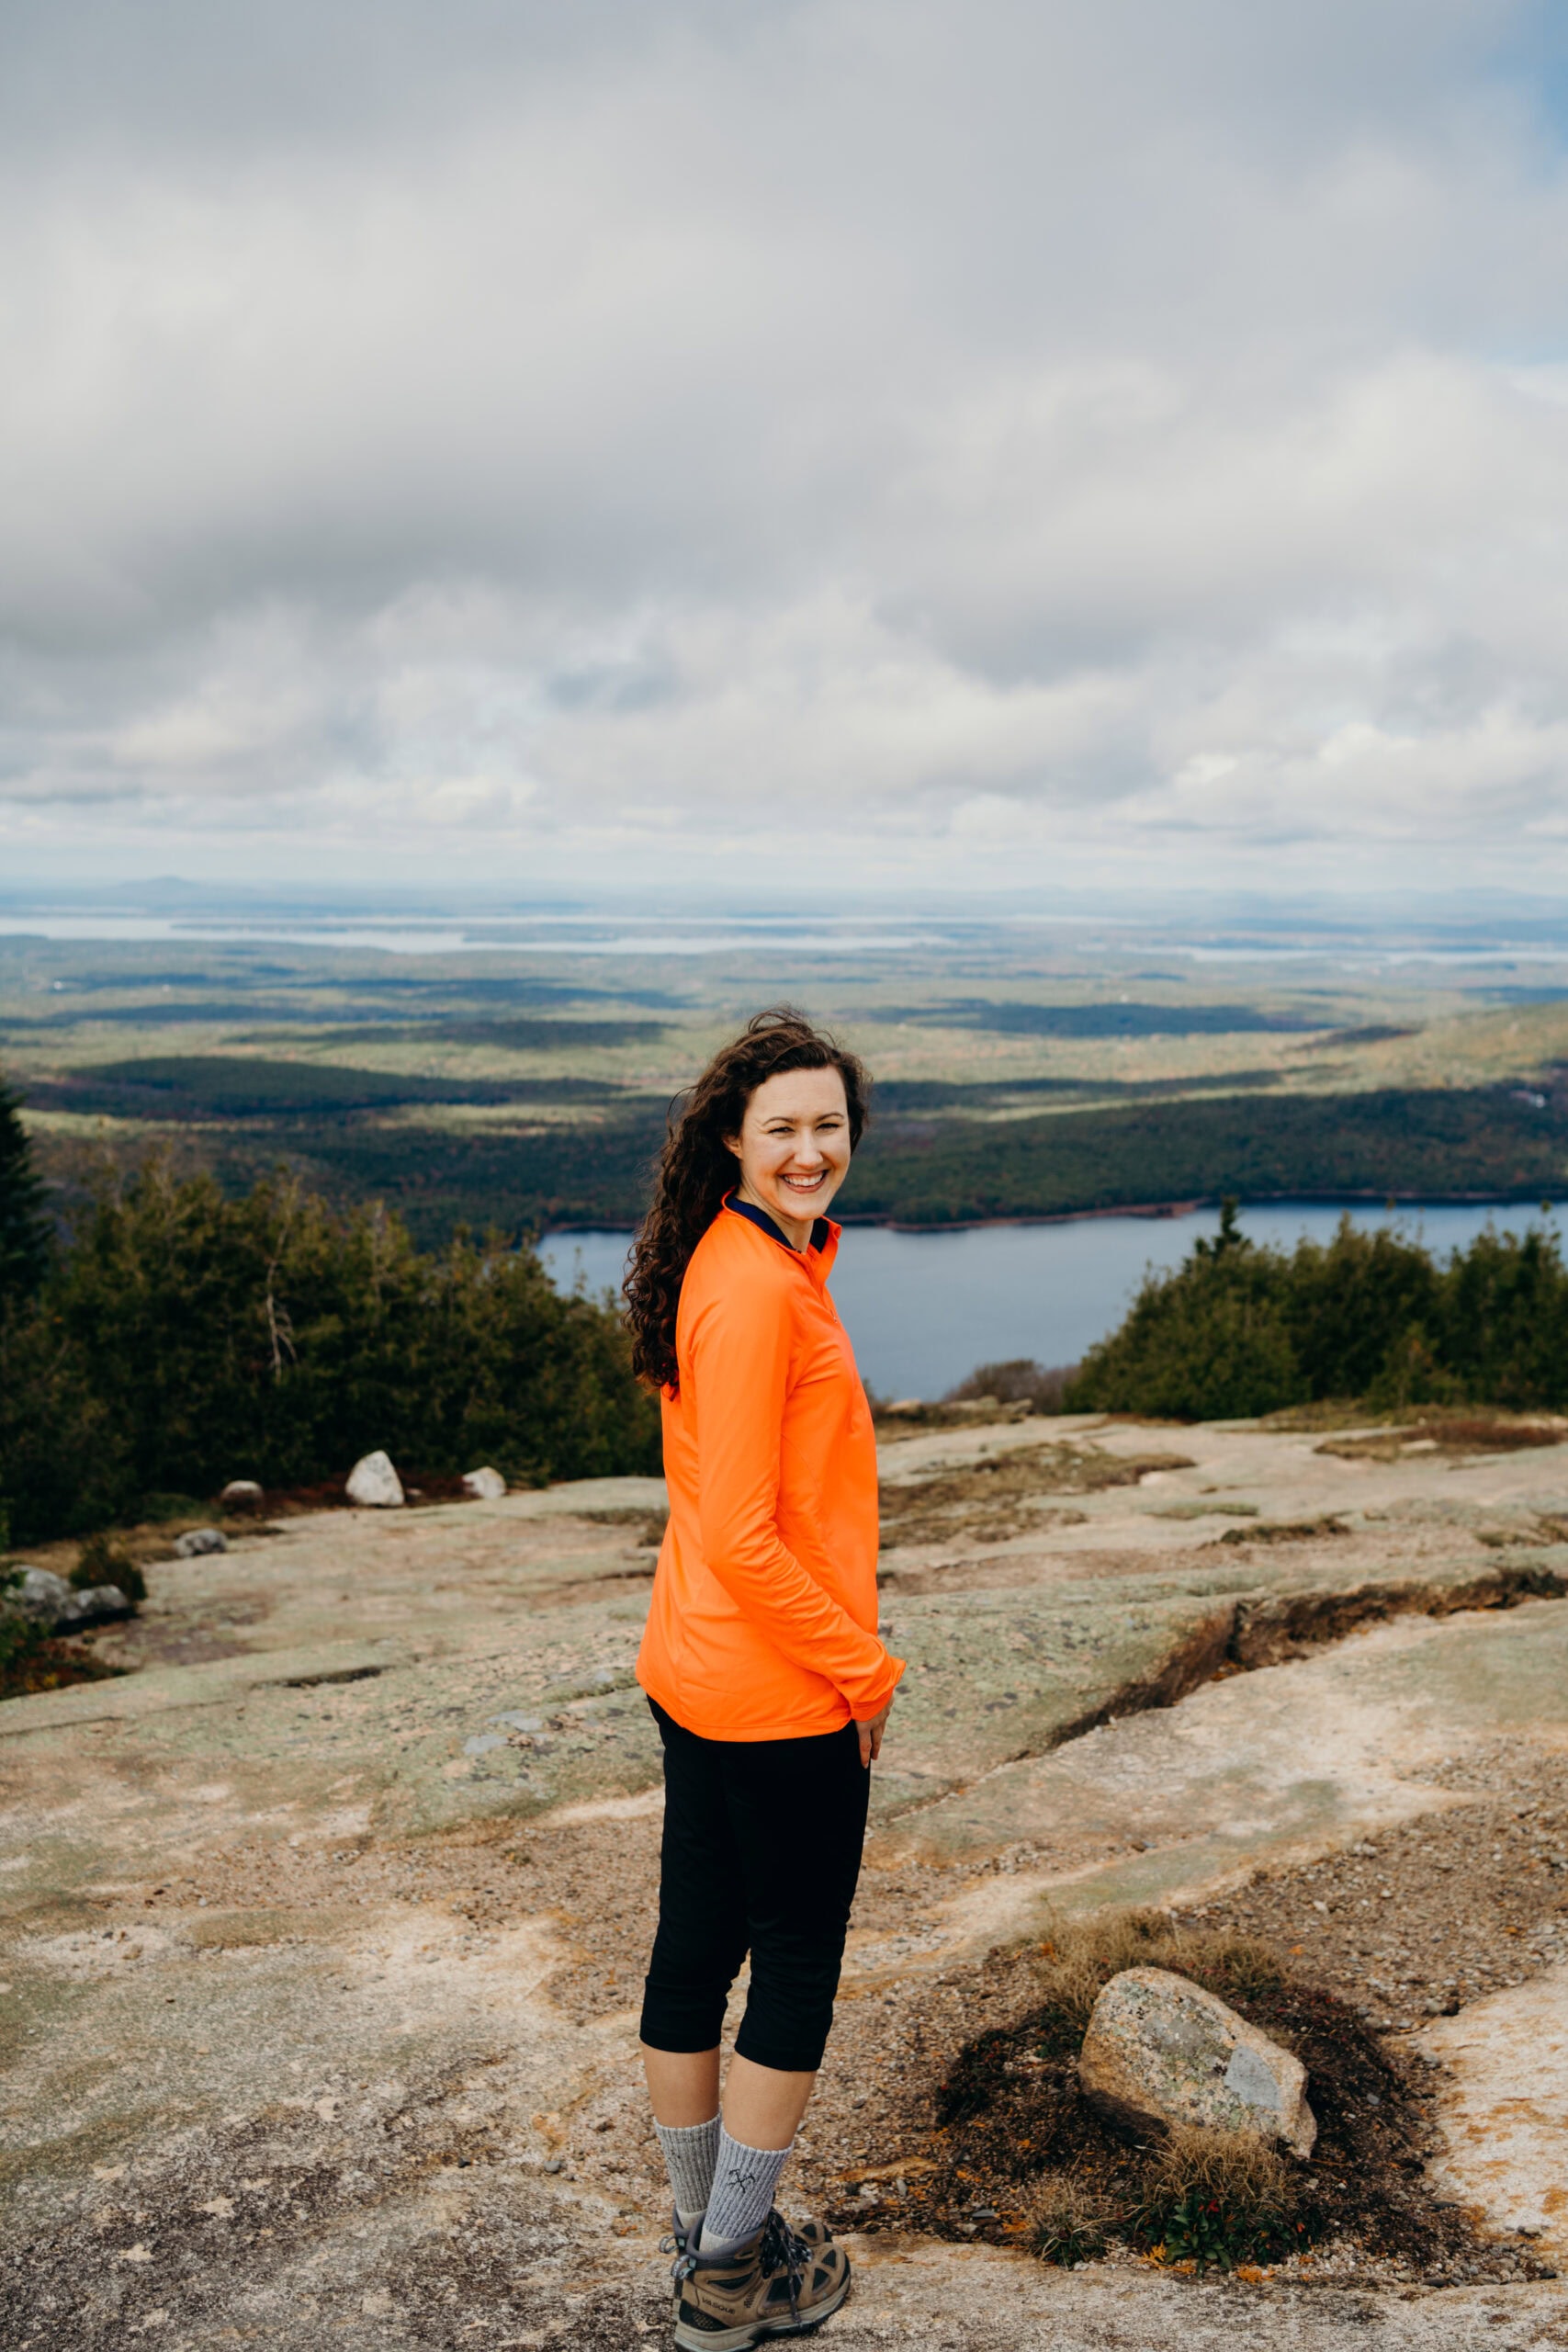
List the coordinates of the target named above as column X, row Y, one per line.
column 321, row 1927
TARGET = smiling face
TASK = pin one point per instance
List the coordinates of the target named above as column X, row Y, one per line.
column 794, row 1148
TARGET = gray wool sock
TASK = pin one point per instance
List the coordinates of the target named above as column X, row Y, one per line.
column 689, row 2152
column 744, row 2180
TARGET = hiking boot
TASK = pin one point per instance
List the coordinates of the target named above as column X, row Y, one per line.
column 783, row 2285
column 814, row 2232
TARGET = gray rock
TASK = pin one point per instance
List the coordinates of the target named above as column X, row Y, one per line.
column 196, row 1542
column 42, row 1595
column 1160, row 2051
column 242, row 1494
column 373, row 1483
column 486, row 1485
column 60, row 1608
column 100, row 1604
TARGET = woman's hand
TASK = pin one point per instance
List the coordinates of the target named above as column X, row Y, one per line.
column 871, row 1735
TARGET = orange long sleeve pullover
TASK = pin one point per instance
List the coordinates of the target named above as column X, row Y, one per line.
column 763, row 1618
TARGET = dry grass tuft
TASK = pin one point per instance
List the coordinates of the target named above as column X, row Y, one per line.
column 651, row 1524
column 102, row 1560
column 1449, row 1433
column 1284, row 1530
column 1068, row 2222
column 1218, row 2198
column 991, row 1499
column 1075, row 1962
column 1236, row 2170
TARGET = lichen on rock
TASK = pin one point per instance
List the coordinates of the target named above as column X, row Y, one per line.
column 1160, row 2051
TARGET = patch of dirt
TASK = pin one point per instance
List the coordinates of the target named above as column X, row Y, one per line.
column 1203, row 1510
column 1291, row 1625
column 1325, row 1413
column 1542, row 1529
column 650, row 1524
column 596, row 1880
column 1421, row 1920
column 1455, row 1433
column 992, row 1499
column 1282, row 1531
column 601, row 1879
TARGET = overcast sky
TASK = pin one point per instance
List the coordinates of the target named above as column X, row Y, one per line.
column 892, row 441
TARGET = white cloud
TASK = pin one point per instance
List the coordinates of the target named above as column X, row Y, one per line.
column 995, row 436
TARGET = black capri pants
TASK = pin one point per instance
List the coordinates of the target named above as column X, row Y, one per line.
column 761, row 1851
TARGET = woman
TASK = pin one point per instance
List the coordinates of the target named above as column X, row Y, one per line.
column 761, row 1660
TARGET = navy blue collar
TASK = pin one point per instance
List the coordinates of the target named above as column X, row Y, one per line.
column 765, row 1224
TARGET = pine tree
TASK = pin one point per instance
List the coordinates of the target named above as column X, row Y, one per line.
column 24, row 1225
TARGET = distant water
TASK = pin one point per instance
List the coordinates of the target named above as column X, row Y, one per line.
column 489, row 934
column 606, row 931
column 924, row 1308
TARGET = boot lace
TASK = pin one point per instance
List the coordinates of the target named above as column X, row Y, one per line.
column 782, row 2250
column 779, row 2249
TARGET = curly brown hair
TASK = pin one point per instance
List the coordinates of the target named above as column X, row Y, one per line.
column 697, row 1167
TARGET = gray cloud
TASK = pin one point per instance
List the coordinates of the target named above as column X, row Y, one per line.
column 1001, row 435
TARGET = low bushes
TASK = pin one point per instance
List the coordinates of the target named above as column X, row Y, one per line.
column 99, row 1561
column 1239, row 1329
column 1018, row 1381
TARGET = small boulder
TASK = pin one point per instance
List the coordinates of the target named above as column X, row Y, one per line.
column 98, row 1604
column 373, row 1483
column 42, row 1595
column 1160, row 2051
column 196, row 1542
column 242, row 1494
column 487, row 1486
column 61, row 1608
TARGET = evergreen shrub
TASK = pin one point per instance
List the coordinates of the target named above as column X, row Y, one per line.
column 1240, row 1329
column 186, row 1339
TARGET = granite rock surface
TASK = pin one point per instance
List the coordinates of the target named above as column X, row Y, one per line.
column 322, row 1929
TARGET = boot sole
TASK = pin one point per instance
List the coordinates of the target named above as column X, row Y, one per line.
column 758, row 2331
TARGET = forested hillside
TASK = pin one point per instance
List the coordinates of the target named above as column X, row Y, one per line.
column 1435, row 1145
column 936, row 1153
column 181, row 1338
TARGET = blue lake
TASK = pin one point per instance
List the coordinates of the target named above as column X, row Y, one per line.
column 924, row 1308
